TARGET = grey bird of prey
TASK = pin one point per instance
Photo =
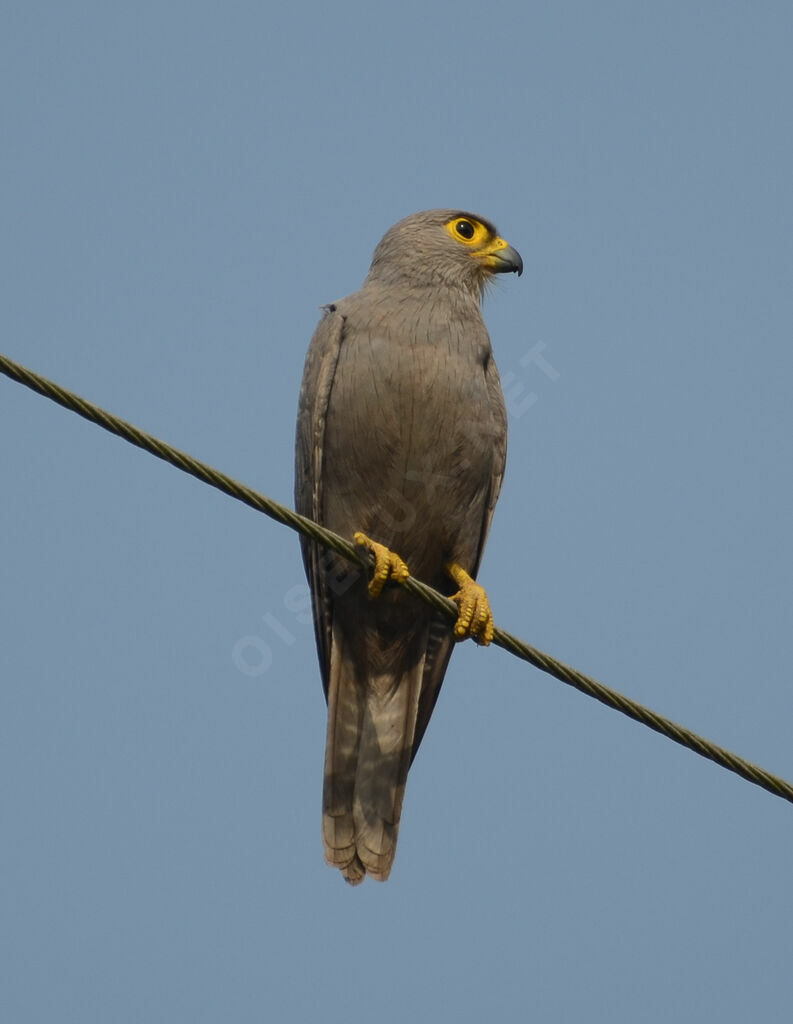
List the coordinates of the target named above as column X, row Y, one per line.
column 401, row 443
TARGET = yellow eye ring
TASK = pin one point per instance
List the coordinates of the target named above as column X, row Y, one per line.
column 468, row 232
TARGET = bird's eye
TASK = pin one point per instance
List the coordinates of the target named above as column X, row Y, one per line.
column 468, row 231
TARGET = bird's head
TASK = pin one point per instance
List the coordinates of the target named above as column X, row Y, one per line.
column 449, row 248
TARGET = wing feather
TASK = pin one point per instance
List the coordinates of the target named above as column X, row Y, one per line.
column 318, row 374
column 441, row 643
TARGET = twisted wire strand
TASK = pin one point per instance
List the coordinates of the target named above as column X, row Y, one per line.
column 611, row 698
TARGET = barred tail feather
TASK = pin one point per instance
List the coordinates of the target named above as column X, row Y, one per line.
column 371, row 730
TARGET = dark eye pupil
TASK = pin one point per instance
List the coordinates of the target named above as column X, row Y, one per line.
column 465, row 229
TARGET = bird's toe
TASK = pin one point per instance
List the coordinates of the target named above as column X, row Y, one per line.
column 475, row 619
column 387, row 564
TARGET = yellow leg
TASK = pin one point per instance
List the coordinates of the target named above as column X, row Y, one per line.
column 475, row 618
column 387, row 564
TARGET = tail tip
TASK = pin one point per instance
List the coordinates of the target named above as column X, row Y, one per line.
column 354, row 872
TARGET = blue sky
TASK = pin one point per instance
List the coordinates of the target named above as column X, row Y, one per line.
column 183, row 186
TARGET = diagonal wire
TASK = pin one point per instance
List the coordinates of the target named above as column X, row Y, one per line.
column 611, row 698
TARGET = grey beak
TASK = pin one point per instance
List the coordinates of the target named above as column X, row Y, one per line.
column 509, row 261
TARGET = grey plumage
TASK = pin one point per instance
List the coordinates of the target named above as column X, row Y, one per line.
column 401, row 434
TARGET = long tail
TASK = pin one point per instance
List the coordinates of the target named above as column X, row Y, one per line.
column 371, row 729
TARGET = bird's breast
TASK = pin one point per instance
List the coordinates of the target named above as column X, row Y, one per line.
column 410, row 436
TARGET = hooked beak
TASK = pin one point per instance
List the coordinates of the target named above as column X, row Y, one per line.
column 501, row 258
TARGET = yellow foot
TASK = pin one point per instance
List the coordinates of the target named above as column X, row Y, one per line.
column 475, row 618
column 387, row 565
